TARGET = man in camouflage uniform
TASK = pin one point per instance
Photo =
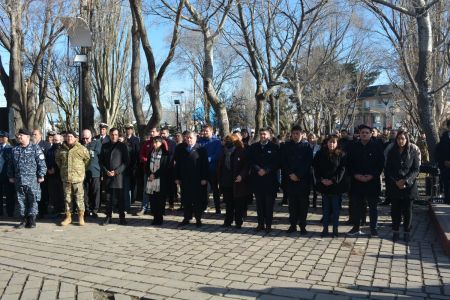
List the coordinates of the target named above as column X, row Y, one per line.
column 72, row 159
column 26, row 169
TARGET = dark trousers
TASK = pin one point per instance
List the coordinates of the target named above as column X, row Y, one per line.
column 331, row 208
column 298, row 209
column 214, row 188
column 92, row 194
column 446, row 183
column 55, row 193
column 401, row 207
column 264, row 207
column 234, row 206
column 157, row 203
column 7, row 189
column 43, row 204
column 194, row 204
column 114, row 198
column 358, row 204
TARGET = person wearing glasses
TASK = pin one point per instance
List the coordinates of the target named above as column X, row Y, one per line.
column 365, row 164
column 92, row 189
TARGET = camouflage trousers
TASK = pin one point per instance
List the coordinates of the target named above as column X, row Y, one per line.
column 73, row 191
column 27, row 199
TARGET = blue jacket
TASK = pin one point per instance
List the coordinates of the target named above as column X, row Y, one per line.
column 26, row 165
column 94, row 148
column 213, row 148
column 5, row 152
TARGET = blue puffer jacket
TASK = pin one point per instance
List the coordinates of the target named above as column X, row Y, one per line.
column 213, row 147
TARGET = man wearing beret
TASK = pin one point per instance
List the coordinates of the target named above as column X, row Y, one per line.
column 72, row 159
column 6, row 188
column 26, row 169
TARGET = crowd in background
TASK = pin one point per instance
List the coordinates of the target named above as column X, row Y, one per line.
column 76, row 173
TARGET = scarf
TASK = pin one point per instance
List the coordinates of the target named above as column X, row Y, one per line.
column 155, row 161
column 228, row 152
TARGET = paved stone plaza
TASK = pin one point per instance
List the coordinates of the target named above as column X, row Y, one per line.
column 138, row 260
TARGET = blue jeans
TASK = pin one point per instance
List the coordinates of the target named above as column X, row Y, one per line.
column 145, row 201
column 331, row 209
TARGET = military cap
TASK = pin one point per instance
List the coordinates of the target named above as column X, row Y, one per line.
column 72, row 132
column 51, row 133
column 24, row 131
column 4, row 134
column 103, row 125
column 128, row 126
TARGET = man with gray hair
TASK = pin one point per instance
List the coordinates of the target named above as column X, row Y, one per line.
column 92, row 189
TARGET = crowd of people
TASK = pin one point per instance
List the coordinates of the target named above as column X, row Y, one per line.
column 47, row 177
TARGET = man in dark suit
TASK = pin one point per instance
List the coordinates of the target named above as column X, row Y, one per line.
column 191, row 173
column 132, row 143
column 113, row 162
column 443, row 158
column 296, row 159
column 264, row 164
column 365, row 164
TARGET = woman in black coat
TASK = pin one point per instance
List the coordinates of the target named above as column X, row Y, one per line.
column 232, row 173
column 329, row 171
column 402, row 168
column 158, row 183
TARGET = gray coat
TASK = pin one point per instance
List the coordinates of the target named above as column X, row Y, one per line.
column 114, row 157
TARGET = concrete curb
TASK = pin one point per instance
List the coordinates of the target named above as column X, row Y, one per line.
column 438, row 217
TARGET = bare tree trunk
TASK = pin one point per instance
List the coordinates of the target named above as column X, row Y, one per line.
column 425, row 101
column 136, row 97
column 260, row 101
column 208, row 86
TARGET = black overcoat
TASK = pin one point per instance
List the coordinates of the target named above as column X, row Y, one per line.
column 296, row 158
column 191, row 168
column 405, row 166
column 365, row 160
column 267, row 158
column 114, row 156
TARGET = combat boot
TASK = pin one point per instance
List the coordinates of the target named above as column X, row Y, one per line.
column 67, row 220
column 32, row 221
column 81, row 217
column 22, row 224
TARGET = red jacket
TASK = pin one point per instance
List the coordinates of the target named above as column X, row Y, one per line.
column 146, row 149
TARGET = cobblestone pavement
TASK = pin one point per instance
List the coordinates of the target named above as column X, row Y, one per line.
column 138, row 260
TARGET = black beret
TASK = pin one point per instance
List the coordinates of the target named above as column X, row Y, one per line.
column 24, row 131
column 4, row 134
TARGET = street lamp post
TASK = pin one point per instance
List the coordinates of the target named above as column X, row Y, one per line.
column 79, row 35
column 177, row 103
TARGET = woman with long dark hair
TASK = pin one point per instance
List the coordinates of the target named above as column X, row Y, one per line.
column 329, row 172
column 402, row 168
column 158, row 183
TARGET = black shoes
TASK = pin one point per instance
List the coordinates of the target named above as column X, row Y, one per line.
column 183, row 223
column 324, row 232
column 198, row 223
column 259, row 227
column 122, row 221
column 395, row 236
column 335, row 232
column 238, row 226
column 354, row 231
column 226, row 224
column 107, row 221
column 406, row 237
column 21, row 225
column 291, row 229
column 303, row 231
column 373, row 232
column 268, row 229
